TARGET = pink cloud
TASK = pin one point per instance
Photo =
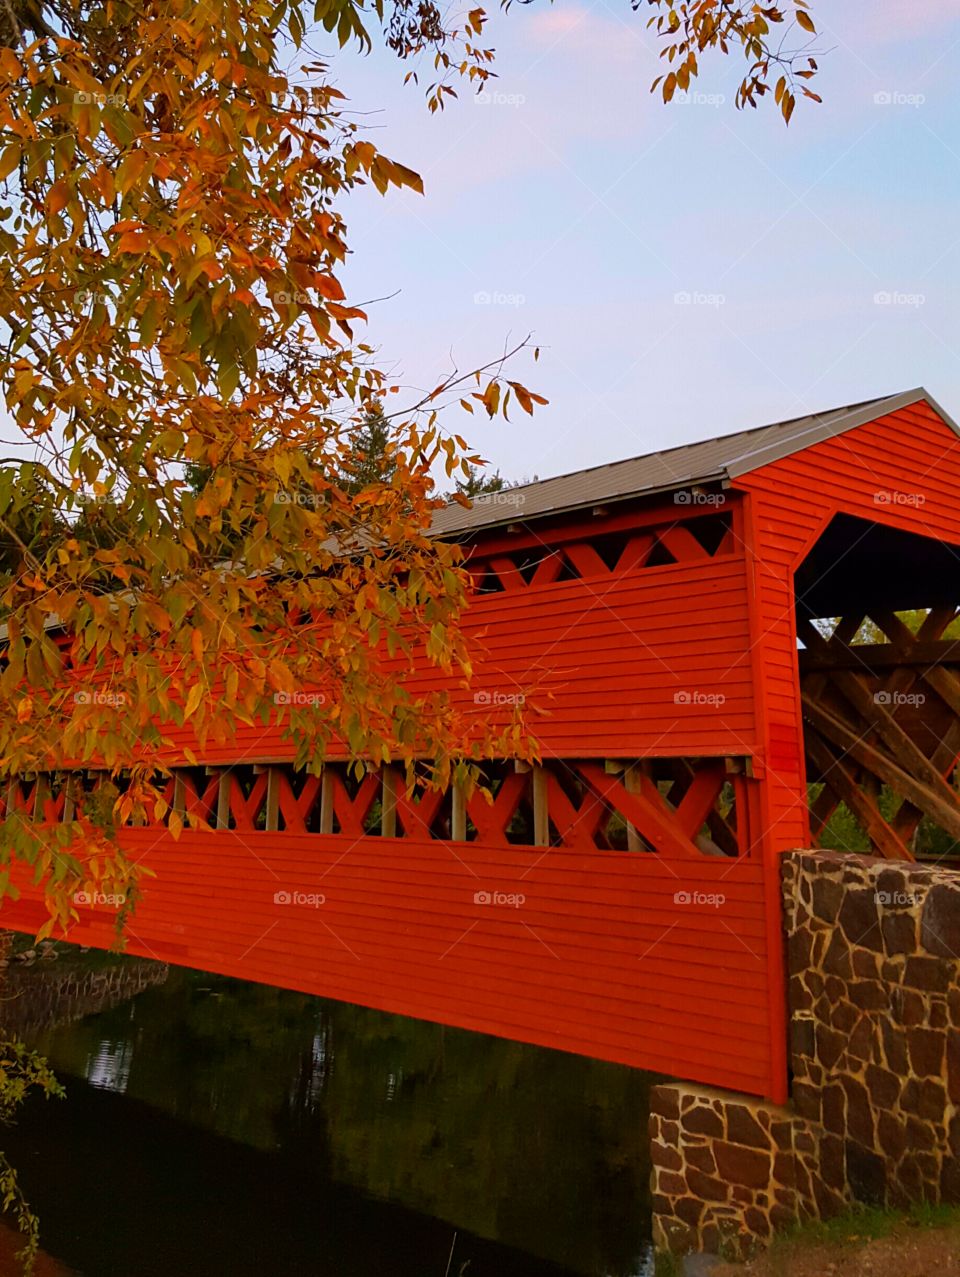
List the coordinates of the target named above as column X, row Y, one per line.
column 892, row 22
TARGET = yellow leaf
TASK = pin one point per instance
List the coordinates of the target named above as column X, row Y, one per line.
column 10, row 64
column 10, row 157
column 194, row 697
column 130, row 170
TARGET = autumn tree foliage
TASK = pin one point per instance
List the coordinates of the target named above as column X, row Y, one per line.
column 188, row 527
column 777, row 41
column 172, row 232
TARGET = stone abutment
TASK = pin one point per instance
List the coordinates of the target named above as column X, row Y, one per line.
column 873, row 956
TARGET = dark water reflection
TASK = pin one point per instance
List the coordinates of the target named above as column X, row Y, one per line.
column 219, row 1127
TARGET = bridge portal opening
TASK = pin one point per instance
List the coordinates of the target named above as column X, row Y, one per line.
column 878, row 623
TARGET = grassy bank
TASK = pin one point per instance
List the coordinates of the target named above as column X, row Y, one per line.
column 922, row 1242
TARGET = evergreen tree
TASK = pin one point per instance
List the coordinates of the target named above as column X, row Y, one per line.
column 478, row 483
column 372, row 460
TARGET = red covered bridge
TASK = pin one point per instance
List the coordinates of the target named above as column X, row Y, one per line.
column 621, row 899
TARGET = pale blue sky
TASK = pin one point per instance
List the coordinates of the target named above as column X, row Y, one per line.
column 582, row 205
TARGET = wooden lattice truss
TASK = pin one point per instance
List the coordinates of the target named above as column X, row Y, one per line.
column 693, row 537
column 678, row 807
column 883, row 714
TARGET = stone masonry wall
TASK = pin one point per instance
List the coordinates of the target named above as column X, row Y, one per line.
column 729, row 1171
column 874, row 968
column 874, row 998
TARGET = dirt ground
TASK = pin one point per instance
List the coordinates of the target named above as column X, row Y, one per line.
column 906, row 1252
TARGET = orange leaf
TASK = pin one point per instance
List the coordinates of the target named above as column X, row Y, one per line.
column 328, row 286
column 58, row 197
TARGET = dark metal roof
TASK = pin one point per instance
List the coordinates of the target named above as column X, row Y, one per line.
column 712, row 461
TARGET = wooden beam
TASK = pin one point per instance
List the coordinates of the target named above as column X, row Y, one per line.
column 946, row 684
column 944, row 759
column 913, row 760
column 723, row 839
column 585, row 559
column 895, row 629
column 947, row 816
column 635, row 553
column 879, row 656
column 848, row 627
column 576, row 826
column 663, row 513
column 548, row 569
column 647, row 810
column 353, row 813
column 724, row 836
column 826, row 804
column 701, row 797
column 491, row 819
column 884, row 839
column 510, row 575
column 682, row 544
column 417, row 817
column 936, row 621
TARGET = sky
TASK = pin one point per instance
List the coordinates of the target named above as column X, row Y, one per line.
column 686, row 269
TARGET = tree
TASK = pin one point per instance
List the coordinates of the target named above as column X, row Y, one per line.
column 477, row 483
column 372, row 461
column 22, row 1074
column 168, row 278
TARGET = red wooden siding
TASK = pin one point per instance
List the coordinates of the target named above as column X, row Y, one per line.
column 909, row 452
column 604, row 957
column 602, row 663
column 607, row 661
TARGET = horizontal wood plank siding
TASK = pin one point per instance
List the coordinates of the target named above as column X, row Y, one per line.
column 612, row 955
column 601, row 665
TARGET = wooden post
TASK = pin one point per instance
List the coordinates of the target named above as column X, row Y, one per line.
column 541, row 812
column 179, row 793
column 272, row 813
column 326, row 800
column 631, row 783
column 69, row 798
column 388, row 801
column 41, row 791
column 223, row 800
column 458, row 815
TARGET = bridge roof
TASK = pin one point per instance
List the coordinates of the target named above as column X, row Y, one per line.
column 711, row 461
